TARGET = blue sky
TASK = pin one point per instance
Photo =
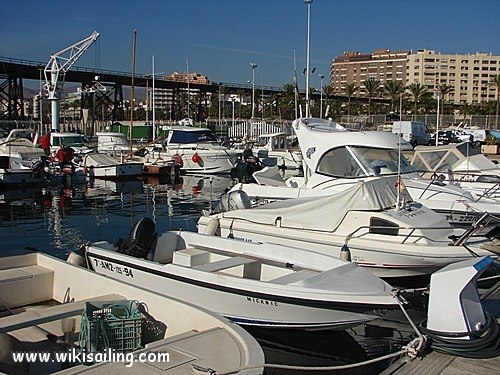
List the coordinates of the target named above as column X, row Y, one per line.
column 222, row 37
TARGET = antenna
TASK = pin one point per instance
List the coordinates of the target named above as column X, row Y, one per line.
column 308, row 2
column 399, row 182
column 295, row 84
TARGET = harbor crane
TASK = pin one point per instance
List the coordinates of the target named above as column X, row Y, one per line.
column 56, row 69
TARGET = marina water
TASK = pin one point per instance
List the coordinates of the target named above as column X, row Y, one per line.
column 59, row 218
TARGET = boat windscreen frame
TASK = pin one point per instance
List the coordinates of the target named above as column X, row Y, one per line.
column 351, row 162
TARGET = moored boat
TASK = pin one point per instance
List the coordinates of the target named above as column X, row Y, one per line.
column 259, row 284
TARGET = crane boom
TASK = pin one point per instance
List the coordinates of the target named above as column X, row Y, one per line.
column 56, row 69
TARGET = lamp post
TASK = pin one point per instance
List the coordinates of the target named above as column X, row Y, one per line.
column 438, row 96
column 321, row 76
column 253, row 65
column 233, row 99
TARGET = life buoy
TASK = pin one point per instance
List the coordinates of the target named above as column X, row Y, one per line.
column 177, row 159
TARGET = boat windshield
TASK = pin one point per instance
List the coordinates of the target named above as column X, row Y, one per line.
column 192, row 136
column 69, row 140
column 357, row 161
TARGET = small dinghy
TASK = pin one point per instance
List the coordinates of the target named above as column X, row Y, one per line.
column 258, row 284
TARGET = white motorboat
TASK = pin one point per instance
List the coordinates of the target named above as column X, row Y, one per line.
column 21, row 143
column 74, row 140
column 41, row 304
column 195, row 150
column 99, row 165
column 16, row 172
column 258, row 284
column 335, row 159
column 459, row 164
column 276, row 150
column 411, row 240
column 113, row 143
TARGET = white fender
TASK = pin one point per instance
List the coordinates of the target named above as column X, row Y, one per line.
column 212, row 226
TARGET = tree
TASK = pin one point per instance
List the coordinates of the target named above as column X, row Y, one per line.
column 371, row 87
column 349, row 90
column 495, row 82
column 417, row 92
column 287, row 102
column 394, row 89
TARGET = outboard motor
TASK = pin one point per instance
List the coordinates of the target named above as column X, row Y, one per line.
column 245, row 168
column 140, row 241
column 235, row 200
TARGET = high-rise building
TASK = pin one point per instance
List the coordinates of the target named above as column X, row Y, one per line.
column 468, row 75
column 355, row 67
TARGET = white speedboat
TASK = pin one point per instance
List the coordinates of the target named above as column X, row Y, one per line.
column 276, row 150
column 335, row 159
column 258, row 284
column 195, row 150
column 42, row 304
column 99, row 165
column 16, row 172
column 391, row 242
column 459, row 164
column 113, row 143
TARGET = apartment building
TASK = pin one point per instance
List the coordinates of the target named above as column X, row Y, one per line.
column 164, row 97
column 354, row 67
column 469, row 75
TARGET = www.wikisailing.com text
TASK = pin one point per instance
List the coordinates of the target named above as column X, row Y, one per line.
column 78, row 356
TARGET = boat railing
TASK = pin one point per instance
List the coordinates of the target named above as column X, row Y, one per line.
column 490, row 192
column 486, row 220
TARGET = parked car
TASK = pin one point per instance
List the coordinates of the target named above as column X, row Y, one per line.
column 445, row 137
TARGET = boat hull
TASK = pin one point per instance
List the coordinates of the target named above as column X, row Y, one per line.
column 244, row 306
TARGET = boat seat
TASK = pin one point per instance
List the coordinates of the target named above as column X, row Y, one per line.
column 224, row 264
column 25, row 284
column 293, row 277
column 39, row 316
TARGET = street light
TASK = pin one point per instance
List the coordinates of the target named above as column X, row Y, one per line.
column 438, row 96
column 321, row 76
column 253, row 65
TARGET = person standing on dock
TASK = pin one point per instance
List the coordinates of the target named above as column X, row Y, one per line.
column 45, row 144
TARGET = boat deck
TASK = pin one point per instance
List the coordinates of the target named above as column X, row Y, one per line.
column 34, row 322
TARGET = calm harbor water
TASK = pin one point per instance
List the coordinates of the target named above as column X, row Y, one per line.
column 56, row 219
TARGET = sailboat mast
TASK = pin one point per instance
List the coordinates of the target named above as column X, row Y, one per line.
column 308, row 2
column 132, row 94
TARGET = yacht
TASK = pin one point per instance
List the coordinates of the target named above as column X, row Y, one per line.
column 391, row 239
column 195, row 149
column 335, row 159
column 461, row 165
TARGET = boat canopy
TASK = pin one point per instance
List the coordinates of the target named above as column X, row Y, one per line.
column 325, row 213
column 191, row 136
column 457, row 157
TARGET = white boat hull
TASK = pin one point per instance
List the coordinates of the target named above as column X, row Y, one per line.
column 244, row 305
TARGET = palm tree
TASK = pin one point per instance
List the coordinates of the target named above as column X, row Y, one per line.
column 350, row 89
column 287, row 102
column 495, row 82
column 371, row 87
column 394, row 89
column 417, row 92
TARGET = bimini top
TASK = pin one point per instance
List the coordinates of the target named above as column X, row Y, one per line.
column 325, row 213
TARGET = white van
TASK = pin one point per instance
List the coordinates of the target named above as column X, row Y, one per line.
column 413, row 132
